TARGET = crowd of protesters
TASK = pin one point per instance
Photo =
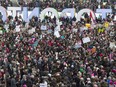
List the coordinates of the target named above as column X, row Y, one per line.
column 78, row 4
column 28, row 59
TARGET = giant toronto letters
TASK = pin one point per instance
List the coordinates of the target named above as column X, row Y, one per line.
column 41, row 15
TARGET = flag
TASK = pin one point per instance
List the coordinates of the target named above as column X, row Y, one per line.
column 93, row 20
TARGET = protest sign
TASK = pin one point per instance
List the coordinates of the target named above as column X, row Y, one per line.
column 43, row 84
column 86, row 40
column 112, row 45
column 43, row 27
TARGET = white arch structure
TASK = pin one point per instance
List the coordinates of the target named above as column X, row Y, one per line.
column 4, row 13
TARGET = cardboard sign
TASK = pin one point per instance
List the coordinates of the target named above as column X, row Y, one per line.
column 43, row 27
column 49, row 31
column 86, row 40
